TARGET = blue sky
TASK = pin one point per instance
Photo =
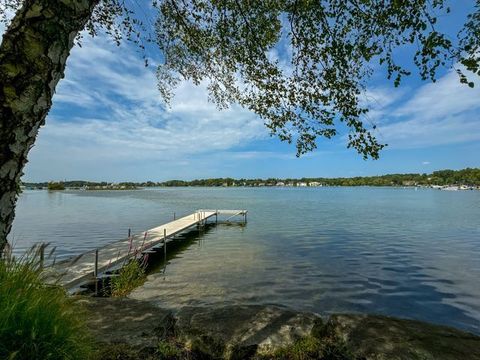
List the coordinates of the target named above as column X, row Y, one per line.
column 108, row 123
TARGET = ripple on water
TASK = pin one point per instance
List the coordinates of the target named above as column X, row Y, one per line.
column 397, row 252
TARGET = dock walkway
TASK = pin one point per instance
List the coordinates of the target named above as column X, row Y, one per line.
column 72, row 273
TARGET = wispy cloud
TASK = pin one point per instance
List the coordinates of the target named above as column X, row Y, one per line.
column 108, row 104
column 441, row 113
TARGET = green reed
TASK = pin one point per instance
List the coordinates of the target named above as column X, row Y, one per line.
column 37, row 320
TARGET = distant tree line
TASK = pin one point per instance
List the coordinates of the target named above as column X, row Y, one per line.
column 468, row 176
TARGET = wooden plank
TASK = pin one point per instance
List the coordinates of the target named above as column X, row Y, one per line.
column 72, row 274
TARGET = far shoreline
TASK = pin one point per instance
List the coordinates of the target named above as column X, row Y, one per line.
column 465, row 179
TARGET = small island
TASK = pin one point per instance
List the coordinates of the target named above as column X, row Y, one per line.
column 79, row 185
column 55, row 186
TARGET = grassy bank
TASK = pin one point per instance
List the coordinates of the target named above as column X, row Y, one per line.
column 38, row 321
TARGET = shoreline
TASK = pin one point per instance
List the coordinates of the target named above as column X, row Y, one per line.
column 464, row 178
column 264, row 332
column 433, row 187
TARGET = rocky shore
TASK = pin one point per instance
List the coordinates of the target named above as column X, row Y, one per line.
column 266, row 332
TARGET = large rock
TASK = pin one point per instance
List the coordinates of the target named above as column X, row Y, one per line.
column 238, row 332
column 374, row 337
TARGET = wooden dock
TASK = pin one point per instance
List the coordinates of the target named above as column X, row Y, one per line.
column 90, row 265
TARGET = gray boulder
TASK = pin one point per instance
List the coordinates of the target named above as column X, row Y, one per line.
column 239, row 332
column 375, row 337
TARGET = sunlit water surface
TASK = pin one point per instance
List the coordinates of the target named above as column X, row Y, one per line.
column 392, row 251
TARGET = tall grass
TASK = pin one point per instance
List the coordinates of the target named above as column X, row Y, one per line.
column 37, row 321
column 130, row 276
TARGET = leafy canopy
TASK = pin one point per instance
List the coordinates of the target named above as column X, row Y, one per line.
column 329, row 48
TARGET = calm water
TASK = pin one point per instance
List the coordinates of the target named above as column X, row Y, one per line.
column 398, row 252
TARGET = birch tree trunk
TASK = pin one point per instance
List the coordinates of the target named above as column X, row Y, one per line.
column 33, row 54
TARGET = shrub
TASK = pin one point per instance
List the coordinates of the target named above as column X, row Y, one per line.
column 130, row 276
column 313, row 348
column 37, row 321
column 170, row 350
column 166, row 350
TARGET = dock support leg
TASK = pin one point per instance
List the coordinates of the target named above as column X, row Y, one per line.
column 129, row 232
column 165, row 244
column 174, row 218
column 95, row 272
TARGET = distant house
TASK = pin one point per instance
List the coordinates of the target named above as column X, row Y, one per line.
column 314, row 183
column 302, row 184
column 280, row 184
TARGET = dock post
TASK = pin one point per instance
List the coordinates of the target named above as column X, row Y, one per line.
column 216, row 216
column 95, row 272
column 164, row 250
column 165, row 243
column 129, row 232
column 174, row 216
column 244, row 217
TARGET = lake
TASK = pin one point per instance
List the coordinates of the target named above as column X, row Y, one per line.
column 392, row 251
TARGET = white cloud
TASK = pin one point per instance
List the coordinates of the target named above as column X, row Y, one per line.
column 446, row 97
column 108, row 107
column 380, row 98
column 425, row 162
column 441, row 113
